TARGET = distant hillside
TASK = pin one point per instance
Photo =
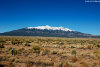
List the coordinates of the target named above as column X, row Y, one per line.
column 48, row 31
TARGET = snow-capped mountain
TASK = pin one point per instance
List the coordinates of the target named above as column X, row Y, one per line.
column 50, row 28
column 48, row 31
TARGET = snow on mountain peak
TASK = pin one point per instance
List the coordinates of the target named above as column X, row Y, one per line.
column 50, row 28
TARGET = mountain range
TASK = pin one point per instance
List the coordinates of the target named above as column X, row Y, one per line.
column 48, row 31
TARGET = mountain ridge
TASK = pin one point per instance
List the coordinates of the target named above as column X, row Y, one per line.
column 48, row 31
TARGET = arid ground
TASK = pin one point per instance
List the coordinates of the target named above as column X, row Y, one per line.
column 49, row 52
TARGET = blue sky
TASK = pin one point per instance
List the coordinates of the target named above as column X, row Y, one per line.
column 74, row 14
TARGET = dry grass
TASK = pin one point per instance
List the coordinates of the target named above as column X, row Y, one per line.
column 49, row 52
column 28, row 64
column 84, row 64
column 65, row 64
column 74, row 59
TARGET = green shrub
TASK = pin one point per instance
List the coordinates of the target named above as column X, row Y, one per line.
column 74, row 52
column 36, row 48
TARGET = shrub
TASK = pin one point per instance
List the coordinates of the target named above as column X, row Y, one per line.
column 28, row 64
column 61, row 43
column 47, row 63
column 2, row 41
column 3, row 58
column 84, row 64
column 74, row 52
column 65, row 64
column 89, row 47
column 10, row 64
column 16, row 42
column 98, row 46
column 45, row 51
column 72, row 47
column 54, row 52
column 12, row 59
column 1, row 46
column 94, row 65
column 96, row 53
column 36, row 48
column 64, row 46
column 27, row 44
column 15, row 52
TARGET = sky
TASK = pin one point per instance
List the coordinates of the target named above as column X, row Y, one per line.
column 73, row 14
